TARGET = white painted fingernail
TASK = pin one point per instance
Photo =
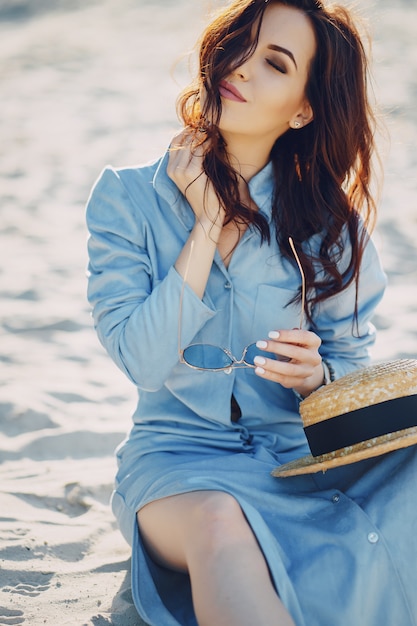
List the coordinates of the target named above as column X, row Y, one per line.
column 274, row 334
column 259, row 360
column 260, row 371
column 261, row 345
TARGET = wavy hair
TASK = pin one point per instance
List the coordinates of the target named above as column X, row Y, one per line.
column 326, row 165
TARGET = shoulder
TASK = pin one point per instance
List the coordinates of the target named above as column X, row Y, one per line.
column 114, row 182
column 122, row 193
column 129, row 200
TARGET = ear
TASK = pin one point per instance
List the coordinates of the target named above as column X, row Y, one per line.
column 303, row 117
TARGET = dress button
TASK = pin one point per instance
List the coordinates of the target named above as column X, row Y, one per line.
column 336, row 498
column 373, row 537
column 227, row 285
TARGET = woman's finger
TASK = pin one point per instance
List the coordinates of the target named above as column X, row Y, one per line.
column 301, row 369
column 296, row 345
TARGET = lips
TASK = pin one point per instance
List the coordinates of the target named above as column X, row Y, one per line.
column 229, row 91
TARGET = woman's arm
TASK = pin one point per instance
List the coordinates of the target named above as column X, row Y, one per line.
column 185, row 168
column 135, row 313
column 135, row 306
column 346, row 343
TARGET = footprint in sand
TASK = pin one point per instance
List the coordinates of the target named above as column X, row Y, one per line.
column 9, row 616
column 31, row 590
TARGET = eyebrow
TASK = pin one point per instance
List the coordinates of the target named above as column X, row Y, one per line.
column 273, row 46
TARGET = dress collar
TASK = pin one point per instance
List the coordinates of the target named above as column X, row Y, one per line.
column 261, row 188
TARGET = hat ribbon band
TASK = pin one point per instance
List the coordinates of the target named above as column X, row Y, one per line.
column 362, row 424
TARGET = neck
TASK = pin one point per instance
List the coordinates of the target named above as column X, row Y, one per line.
column 246, row 155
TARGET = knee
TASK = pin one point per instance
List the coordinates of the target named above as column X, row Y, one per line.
column 219, row 521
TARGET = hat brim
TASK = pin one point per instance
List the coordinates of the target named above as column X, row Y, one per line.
column 364, row 450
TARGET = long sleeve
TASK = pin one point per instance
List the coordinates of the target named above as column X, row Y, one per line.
column 135, row 301
column 346, row 344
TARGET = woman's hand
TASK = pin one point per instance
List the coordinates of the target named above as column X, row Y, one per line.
column 185, row 168
column 302, row 369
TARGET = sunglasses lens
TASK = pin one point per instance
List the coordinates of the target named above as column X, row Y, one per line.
column 252, row 351
column 206, row 357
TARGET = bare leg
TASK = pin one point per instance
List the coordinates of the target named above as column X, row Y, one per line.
column 206, row 534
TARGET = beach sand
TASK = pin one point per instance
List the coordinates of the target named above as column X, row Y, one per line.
column 85, row 84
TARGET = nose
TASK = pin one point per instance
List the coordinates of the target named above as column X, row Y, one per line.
column 241, row 72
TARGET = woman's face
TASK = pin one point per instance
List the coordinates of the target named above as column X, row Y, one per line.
column 265, row 95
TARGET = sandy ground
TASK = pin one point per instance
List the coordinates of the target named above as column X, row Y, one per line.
column 85, row 84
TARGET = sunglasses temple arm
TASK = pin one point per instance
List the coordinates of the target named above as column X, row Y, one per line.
column 303, row 280
column 184, row 280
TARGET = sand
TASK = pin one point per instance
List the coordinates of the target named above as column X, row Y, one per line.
column 85, row 84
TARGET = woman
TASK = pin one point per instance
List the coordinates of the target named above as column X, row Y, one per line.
column 197, row 249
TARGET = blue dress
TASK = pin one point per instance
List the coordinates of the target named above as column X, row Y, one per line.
column 342, row 546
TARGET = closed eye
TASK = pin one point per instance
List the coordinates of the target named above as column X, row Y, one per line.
column 277, row 67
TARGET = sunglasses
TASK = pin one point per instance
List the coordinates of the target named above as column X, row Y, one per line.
column 208, row 357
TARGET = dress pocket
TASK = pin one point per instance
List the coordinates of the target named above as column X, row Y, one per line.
column 273, row 311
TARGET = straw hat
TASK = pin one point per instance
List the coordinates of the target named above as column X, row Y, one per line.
column 364, row 414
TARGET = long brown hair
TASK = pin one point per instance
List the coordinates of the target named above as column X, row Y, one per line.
column 325, row 167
